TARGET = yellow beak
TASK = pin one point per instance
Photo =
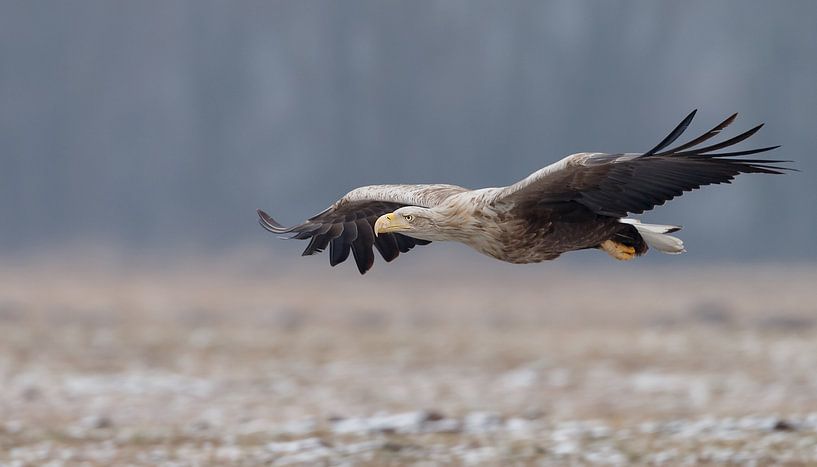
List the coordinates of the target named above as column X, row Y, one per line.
column 388, row 223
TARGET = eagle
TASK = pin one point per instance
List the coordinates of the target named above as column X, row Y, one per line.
column 580, row 202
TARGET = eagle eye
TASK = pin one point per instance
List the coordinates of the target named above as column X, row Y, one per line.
column 409, row 217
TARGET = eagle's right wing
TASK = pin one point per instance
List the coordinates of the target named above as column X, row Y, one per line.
column 348, row 225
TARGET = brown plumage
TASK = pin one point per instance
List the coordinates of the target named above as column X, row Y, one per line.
column 576, row 203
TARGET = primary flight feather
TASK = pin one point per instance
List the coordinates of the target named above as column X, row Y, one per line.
column 579, row 202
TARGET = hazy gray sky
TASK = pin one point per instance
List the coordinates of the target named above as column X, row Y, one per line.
column 154, row 124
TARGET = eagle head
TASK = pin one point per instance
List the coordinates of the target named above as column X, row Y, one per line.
column 408, row 220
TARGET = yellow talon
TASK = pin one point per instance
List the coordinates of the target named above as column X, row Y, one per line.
column 618, row 251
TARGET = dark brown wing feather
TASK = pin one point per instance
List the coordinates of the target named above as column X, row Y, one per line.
column 347, row 228
column 618, row 184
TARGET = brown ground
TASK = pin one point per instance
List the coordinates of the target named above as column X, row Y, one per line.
column 210, row 363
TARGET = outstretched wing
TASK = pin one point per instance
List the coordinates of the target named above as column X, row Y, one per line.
column 348, row 225
column 618, row 184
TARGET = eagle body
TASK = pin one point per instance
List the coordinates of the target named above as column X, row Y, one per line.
column 580, row 202
column 520, row 234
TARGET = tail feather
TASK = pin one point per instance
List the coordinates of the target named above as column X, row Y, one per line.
column 655, row 235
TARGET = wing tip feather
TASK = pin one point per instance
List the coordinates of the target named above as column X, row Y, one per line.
column 673, row 135
column 268, row 223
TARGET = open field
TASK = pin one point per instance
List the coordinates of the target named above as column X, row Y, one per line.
column 214, row 364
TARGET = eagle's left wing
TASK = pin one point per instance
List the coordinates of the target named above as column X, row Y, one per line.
column 618, row 184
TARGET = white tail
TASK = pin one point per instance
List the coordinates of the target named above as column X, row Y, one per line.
column 656, row 236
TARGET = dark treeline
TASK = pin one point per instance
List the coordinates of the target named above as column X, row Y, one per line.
column 148, row 124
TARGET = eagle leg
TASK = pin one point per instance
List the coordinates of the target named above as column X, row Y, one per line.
column 617, row 250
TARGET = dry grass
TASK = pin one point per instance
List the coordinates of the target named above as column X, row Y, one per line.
column 210, row 363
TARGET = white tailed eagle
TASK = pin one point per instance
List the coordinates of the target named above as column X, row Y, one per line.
column 579, row 202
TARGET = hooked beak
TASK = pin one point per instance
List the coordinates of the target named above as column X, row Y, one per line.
column 388, row 223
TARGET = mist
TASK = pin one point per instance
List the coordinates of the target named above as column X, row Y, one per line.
column 151, row 126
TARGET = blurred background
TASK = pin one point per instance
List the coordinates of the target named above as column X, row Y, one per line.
column 160, row 125
column 145, row 317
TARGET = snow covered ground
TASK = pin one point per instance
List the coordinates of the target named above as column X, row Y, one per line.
column 212, row 364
